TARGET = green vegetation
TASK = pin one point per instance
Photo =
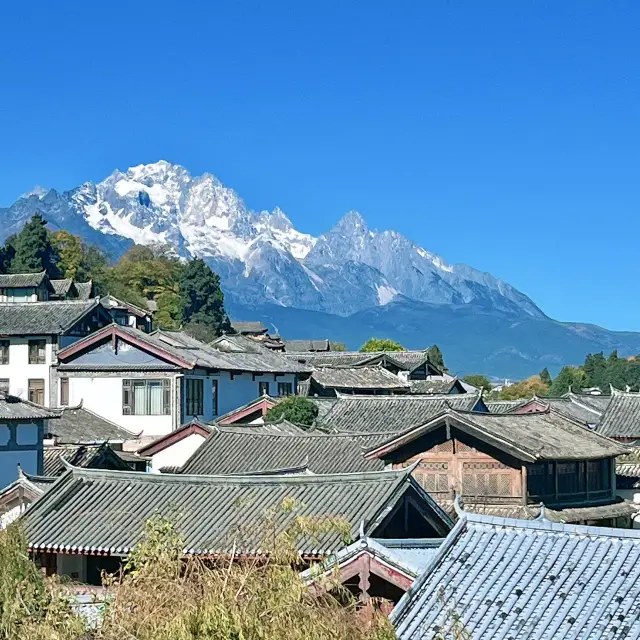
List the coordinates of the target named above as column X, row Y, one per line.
column 162, row 595
column 187, row 293
column 32, row 250
column 337, row 346
column 479, row 381
column 381, row 344
column 525, row 389
column 436, row 358
column 296, row 409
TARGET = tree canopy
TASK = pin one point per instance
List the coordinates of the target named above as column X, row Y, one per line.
column 381, row 344
column 479, row 381
column 33, row 250
column 525, row 389
column 436, row 358
column 201, row 297
column 296, row 409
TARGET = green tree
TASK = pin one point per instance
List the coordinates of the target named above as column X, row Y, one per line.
column 337, row 346
column 479, row 381
column 381, row 344
column 296, row 409
column 569, row 378
column 525, row 389
column 436, row 358
column 545, row 377
column 79, row 261
column 34, row 251
column 200, row 331
column 202, row 298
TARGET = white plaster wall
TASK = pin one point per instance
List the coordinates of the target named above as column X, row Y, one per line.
column 19, row 371
column 11, row 515
column 177, row 454
column 103, row 395
column 243, row 389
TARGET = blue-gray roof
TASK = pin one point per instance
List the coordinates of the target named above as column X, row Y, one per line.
column 535, row 579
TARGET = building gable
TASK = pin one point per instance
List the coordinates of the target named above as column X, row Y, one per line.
column 121, row 355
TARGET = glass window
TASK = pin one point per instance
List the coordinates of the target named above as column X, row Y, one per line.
column 37, row 352
column 194, row 397
column 285, row 388
column 36, row 391
column 4, row 351
column 214, row 396
column 4, row 385
column 64, row 392
column 146, row 397
column 263, row 388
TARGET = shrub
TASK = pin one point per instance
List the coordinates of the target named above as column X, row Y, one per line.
column 296, row 409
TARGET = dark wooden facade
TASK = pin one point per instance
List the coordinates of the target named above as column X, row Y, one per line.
column 451, row 462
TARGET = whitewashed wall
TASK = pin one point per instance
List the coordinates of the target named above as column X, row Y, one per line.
column 19, row 371
column 103, row 395
column 177, row 454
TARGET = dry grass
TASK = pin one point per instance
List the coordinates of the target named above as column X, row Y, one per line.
column 163, row 596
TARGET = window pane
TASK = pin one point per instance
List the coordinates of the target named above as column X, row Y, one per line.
column 4, row 352
column 263, row 388
column 155, row 398
column 214, row 392
column 139, row 398
column 64, row 391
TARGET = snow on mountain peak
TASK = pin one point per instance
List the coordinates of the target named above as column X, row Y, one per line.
column 38, row 191
column 260, row 255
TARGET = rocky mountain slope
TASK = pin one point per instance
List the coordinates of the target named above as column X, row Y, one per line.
column 260, row 256
column 347, row 284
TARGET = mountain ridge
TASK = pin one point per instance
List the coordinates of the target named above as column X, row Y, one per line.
column 350, row 271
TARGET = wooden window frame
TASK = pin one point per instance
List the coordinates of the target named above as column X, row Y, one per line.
column 194, row 396
column 263, row 389
column 64, row 392
column 287, row 387
column 38, row 351
column 128, row 396
column 33, row 390
column 5, row 351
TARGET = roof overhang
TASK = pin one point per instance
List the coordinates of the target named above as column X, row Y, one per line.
column 114, row 332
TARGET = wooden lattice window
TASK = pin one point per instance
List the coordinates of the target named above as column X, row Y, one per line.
column 486, row 479
column 433, row 476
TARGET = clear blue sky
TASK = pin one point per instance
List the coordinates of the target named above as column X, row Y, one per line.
column 505, row 135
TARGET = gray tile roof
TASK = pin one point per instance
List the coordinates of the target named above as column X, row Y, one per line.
column 15, row 408
column 539, row 580
column 111, row 302
column 505, row 406
column 229, row 353
column 84, row 289
column 12, row 280
column 528, row 437
column 389, row 413
column 77, row 425
column 333, row 358
column 435, row 387
column 571, row 515
column 248, row 326
column 80, row 455
column 301, row 346
column 599, row 402
column 358, row 378
column 410, row 557
column 62, row 287
column 42, row 318
column 622, row 417
column 105, row 511
column 574, row 408
column 243, row 450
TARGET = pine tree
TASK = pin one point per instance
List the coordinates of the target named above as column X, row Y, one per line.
column 569, row 378
column 201, row 297
column 436, row 358
column 34, row 251
column 545, row 377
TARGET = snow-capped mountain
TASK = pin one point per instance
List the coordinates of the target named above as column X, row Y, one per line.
column 260, row 256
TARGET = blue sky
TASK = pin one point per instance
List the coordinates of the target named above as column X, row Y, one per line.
column 502, row 134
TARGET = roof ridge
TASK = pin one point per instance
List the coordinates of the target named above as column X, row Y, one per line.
column 363, row 476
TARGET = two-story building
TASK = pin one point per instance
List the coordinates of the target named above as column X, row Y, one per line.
column 507, row 464
column 31, row 333
column 37, row 287
column 155, row 383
